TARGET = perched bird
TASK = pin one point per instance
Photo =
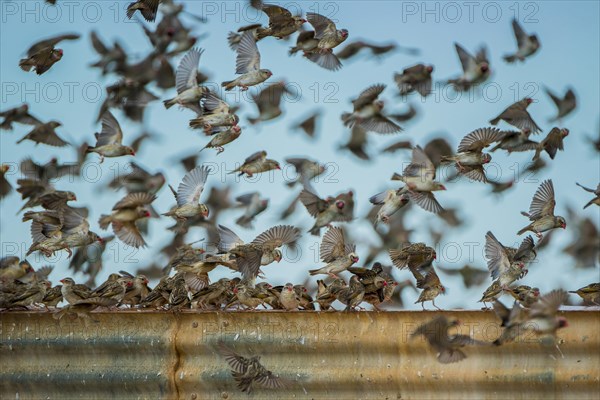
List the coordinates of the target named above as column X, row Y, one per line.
column 148, row 9
column 215, row 113
column 5, row 186
column 415, row 78
column 188, row 195
column 288, row 298
column 525, row 295
column 45, row 133
column 306, row 171
column 419, row 177
column 470, row 159
column 124, row 216
column 255, row 164
column 189, row 91
column 263, row 250
column 565, row 106
column 448, row 347
column 326, row 294
column 595, row 200
column 552, row 143
column 352, row 295
column 19, row 115
column 109, row 140
column 429, row 281
column 589, row 293
column 336, row 252
column 42, row 55
column 12, row 268
column 517, row 115
column 491, row 294
column 541, row 211
column 476, row 69
column 248, row 372
column 516, row 141
column 367, row 112
column 254, row 205
column 390, row 201
column 326, row 211
column 527, row 44
column 72, row 292
column 268, row 102
column 247, row 65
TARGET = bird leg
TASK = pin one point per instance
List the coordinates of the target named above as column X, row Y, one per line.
column 220, row 149
column 207, row 128
column 69, row 251
column 332, row 275
column 101, row 158
column 244, row 88
column 433, row 302
column 539, row 235
column 423, row 305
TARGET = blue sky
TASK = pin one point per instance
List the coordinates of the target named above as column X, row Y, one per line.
column 569, row 56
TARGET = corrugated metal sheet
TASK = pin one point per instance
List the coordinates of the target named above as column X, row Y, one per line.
column 333, row 355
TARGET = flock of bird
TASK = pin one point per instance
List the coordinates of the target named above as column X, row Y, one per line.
column 57, row 225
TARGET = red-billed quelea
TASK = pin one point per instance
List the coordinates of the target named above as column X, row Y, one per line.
column 253, row 205
column 416, row 78
column 268, row 102
column 188, row 195
column 255, row 164
column 326, row 211
column 215, row 113
column 109, row 140
column 552, row 142
column 527, row 44
column 448, row 347
column 224, row 135
column 189, row 91
column 541, row 211
column 595, row 200
column 390, row 202
column 325, row 38
column 309, row 45
column 419, row 177
column 307, row 170
column 470, row 159
column 126, row 213
column 42, row 55
column 17, row 114
column 263, row 250
column 367, row 112
column 247, row 65
column 516, row 141
column 336, row 252
column 476, row 69
column 281, row 21
column 248, row 372
column 565, row 105
column 517, row 115
column 504, row 263
column 5, row 186
column 45, row 134
column 148, row 9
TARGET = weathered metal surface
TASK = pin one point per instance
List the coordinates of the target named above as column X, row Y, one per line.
column 326, row 355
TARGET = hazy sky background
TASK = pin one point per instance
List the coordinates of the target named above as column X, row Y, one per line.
column 569, row 56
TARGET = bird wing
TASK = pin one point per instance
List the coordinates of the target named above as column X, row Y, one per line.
column 427, row 201
column 236, row 362
column 420, row 165
column 480, row 139
column 549, row 303
column 248, row 57
column 133, row 200
column 227, row 239
column 192, row 185
column 543, row 201
column 128, row 233
column 313, row 203
column 213, row 104
column 380, row 124
column 466, row 60
column 497, row 258
column 111, row 131
column 368, row 96
column 323, row 25
column 50, row 43
column 333, row 245
column 278, row 236
column 258, row 156
column 186, row 75
column 520, row 34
